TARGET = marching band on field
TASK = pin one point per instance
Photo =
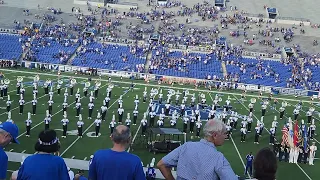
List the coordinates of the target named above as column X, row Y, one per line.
column 192, row 119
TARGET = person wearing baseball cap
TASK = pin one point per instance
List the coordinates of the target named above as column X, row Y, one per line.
column 8, row 133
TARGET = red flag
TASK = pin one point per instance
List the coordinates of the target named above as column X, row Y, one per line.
column 285, row 135
column 296, row 134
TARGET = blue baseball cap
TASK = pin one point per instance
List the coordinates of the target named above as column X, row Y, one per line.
column 12, row 129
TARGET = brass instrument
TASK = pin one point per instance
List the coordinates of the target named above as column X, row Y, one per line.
column 87, row 84
column 36, row 78
column 284, row 104
column 19, row 79
column 253, row 100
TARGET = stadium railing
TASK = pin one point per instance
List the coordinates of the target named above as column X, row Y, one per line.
column 179, row 80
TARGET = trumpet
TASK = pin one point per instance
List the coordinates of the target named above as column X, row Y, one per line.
column 87, row 84
column 19, row 79
column 6, row 81
column 253, row 100
column 284, row 104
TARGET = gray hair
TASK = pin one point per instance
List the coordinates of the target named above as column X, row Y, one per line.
column 122, row 136
column 3, row 131
column 213, row 126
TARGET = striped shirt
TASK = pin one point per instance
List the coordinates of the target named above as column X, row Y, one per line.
column 199, row 160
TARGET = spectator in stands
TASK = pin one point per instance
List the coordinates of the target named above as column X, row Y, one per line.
column 116, row 163
column 200, row 160
column 8, row 133
column 45, row 164
column 265, row 165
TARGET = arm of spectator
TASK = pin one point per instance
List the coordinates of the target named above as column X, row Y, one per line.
column 224, row 171
column 20, row 172
column 170, row 160
column 64, row 174
column 4, row 167
column 92, row 169
column 139, row 174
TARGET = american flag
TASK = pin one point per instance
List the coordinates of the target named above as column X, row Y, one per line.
column 285, row 134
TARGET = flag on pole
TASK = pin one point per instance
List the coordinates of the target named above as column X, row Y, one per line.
column 285, row 134
column 305, row 137
column 296, row 134
column 290, row 133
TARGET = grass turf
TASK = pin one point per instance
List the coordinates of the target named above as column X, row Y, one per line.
column 73, row 147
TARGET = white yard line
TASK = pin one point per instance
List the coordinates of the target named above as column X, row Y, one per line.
column 269, row 133
column 235, row 146
column 153, row 85
column 90, row 125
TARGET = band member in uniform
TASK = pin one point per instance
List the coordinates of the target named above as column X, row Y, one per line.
column 47, row 120
column 192, row 121
column 228, row 129
column 77, row 95
column 65, row 92
column 312, row 151
column 198, row 124
column 256, row 136
column 34, row 104
column 113, row 123
column 243, row 132
column 46, row 87
column 64, row 122
column 152, row 115
column 135, row 115
column 28, row 124
column 18, row 87
column 312, row 129
column 145, row 94
column 50, row 104
column 128, row 120
column 309, row 116
column 65, row 104
column 8, row 104
column 120, row 114
column 1, row 89
column 5, row 90
column 106, row 101
column 90, row 106
column 85, row 91
column 281, row 110
column 120, row 101
column 9, row 117
column 98, row 123
column 249, row 120
column 144, row 124
column 78, row 108
column 21, row 103
column 185, row 122
column 71, row 87
column 35, row 90
column 160, row 97
column 59, row 87
column 136, row 101
column 272, row 135
column 103, row 111
column 251, row 107
column 167, row 105
column 160, row 123
column 295, row 114
column 80, row 124
column 263, row 109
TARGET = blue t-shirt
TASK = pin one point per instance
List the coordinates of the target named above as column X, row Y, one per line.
column 3, row 164
column 249, row 159
column 113, row 165
column 43, row 166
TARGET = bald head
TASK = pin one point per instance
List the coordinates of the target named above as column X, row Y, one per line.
column 121, row 135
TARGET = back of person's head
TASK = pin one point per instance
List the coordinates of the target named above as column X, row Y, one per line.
column 215, row 131
column 265, row 165
column 47, row 142
column 77, row 177
column 121, row 135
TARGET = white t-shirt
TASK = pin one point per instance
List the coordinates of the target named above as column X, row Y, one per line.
column 71, row 174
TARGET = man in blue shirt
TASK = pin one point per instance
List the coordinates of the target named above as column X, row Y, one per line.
column 116, row 163
column 249, row 159
column 8, row 133
column 200, row 160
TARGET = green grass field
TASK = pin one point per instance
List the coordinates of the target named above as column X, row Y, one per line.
column 81, row 148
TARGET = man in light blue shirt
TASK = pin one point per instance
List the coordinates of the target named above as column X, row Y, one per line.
column 200, row 160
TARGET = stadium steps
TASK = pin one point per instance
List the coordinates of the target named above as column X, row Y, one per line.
column 224, row 68
column 74, row 55
column 146, row 66
column 27, row 50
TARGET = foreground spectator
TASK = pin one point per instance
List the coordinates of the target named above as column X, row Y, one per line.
column 79, row 176
column 44, row 165
column 265, row 165
column 200, row 160
column 8, row 133
column 116, row 163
